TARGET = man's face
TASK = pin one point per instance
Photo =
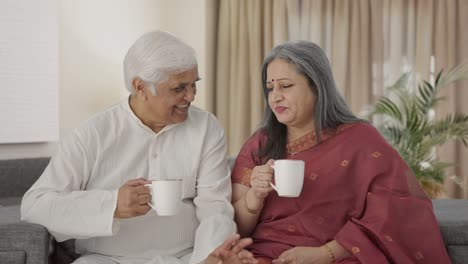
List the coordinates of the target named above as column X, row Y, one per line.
column 173, row 98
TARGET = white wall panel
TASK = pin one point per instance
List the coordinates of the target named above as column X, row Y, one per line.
column 29, row 71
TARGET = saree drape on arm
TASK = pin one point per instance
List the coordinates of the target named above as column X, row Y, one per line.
column 357, row 190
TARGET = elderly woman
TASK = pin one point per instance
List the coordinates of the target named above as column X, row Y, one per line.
column 359, row 203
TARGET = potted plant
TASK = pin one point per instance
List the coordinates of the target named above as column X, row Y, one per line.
column 405, row 116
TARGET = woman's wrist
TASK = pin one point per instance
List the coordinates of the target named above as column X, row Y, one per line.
column 329, row 253
column 252, row 203
column 338, row 251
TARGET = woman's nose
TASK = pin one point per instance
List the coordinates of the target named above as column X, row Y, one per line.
column 276, row 94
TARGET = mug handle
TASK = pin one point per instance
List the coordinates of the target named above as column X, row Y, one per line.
column 149, row 203
column 271, row 184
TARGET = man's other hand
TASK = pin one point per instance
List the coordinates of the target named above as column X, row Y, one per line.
column 133, row 199
column 232, row 251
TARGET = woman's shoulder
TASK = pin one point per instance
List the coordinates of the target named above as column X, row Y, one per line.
column 361, row 134
column 365, row 135
column 357, row 126
column 253, row 144
column 258, row 136
column 361, row 130
column 255, row 140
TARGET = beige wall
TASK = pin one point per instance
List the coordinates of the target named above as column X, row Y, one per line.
column 94, row 37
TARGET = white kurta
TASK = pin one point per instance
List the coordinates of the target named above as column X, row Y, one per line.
column 77, row 194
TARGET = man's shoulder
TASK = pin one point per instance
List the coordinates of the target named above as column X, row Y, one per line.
column 201, row 116
column 197, row 112
column 202, row 121
column 103, row 119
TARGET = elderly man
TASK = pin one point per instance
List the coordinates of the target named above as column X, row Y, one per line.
column 93, row 189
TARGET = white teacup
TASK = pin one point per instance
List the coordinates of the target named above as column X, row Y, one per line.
column 165, row 196
column 289, row 177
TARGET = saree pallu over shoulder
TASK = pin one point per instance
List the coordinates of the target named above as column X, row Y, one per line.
column 357, row 190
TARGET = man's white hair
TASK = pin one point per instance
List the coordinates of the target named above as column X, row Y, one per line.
column 154, row 56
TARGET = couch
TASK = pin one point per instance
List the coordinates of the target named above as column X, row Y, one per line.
column 25, row 243
column 20, row 242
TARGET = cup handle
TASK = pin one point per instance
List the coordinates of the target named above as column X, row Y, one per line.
column 150, row 204
column 271, row 184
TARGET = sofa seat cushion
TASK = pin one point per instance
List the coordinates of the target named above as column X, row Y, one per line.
column 458, row 254
column 452, row 215
column 13, row 257
column 30, row 238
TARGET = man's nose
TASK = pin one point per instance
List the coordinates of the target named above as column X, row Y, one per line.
column 190, row 94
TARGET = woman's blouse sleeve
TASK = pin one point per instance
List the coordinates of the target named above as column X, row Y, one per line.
column 247, row 159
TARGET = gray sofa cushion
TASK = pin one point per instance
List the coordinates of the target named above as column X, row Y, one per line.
column 20, row 174
column 9, row 214
column 458, row 254
column 452, row 216
column 23, row 242
column 13, row 257
column 31, row 239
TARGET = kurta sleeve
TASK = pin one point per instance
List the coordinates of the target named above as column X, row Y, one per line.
column 393, row 220
column 213, row 198
column 58, row 200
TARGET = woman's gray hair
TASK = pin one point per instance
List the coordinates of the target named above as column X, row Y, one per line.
column 154, row 56
column 330, row 109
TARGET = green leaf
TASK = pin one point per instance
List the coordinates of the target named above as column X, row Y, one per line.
column 387, row 107
column 409, row 129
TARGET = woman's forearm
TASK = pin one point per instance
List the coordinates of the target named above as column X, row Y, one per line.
column 247, row 211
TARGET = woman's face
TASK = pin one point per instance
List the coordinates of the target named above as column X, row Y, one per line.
column 289, row 95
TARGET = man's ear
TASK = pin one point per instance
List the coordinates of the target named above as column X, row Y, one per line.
column 139, row 86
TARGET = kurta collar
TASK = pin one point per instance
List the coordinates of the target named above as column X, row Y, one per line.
column 126, row 105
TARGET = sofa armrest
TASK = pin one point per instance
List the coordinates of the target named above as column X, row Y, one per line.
column 32, row 239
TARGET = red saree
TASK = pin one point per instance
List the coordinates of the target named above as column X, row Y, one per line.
column 357, row 190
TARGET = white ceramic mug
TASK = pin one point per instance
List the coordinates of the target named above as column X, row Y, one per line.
column 166, row 196
column 289, row 177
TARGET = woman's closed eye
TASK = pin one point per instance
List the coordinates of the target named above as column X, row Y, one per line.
column 283, row 86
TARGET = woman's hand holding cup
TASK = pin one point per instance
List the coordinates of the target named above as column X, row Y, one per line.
column 260, row 180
